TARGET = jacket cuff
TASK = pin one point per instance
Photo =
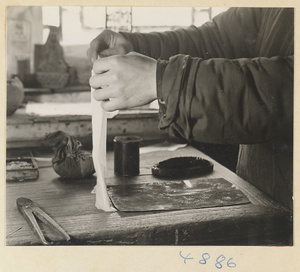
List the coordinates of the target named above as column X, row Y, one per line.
column 171, row 77
column 160, row 69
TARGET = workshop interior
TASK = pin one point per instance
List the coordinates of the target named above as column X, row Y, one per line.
column 160, row 190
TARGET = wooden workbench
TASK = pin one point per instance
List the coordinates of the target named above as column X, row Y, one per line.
column 28, row 131
column 71, row 204
column 24, row 130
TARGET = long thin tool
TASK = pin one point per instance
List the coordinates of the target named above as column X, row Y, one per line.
column 30, row 209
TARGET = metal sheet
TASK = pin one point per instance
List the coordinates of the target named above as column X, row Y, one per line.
column 176, row 195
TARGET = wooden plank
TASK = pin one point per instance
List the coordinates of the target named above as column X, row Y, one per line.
column 205, row 226
column 25, row 131
column 67, row 89
column 57, row 97
column 20, row 117
column 36, row 91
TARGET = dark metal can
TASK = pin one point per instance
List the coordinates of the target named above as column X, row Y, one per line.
column 127, row 155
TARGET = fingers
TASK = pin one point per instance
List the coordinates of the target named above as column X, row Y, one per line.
column 92, row 52
column 104, row 94
column 103, row 45
column 100, row 43
column 92, row 55
column 100, row 81
column 109, row 99
column 127, row 81
column 105, row 72
column 112, row 105
column 103, row 65
column 117, row 50
column 108, row 43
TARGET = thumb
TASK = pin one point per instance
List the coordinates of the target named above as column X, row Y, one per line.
column 117, row 50
column 92, row 54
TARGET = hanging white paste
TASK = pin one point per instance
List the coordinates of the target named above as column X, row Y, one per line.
column 99, row 125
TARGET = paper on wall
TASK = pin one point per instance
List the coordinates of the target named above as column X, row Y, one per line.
column 99, row 126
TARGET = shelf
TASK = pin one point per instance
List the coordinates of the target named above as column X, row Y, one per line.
column 28, row 131
column 68, row 89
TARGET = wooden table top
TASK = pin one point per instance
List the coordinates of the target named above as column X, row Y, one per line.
column 72, row 206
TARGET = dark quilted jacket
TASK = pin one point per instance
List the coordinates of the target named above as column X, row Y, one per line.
column 230, row 81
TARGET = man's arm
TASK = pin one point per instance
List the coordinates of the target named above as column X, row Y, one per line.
column 231, row 34
column 227, row 101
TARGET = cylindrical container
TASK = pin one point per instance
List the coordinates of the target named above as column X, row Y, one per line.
column 127, row 155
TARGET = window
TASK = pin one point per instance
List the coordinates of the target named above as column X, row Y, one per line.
column 79, row 25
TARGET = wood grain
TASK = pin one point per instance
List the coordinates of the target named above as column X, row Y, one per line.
column 71, row 204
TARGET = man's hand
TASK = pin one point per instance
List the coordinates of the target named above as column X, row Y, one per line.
column 108, row 43
column 124, row 81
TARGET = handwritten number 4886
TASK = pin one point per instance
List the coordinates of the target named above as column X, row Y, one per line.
column 206, row 257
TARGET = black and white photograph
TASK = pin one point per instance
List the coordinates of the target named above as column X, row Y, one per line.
column 150, row 126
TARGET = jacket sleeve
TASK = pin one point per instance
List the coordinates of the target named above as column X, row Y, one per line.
column 231, row 34
column 240, row 101
column 215, row 90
